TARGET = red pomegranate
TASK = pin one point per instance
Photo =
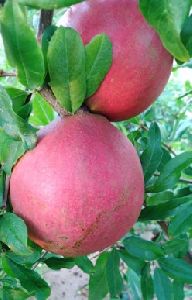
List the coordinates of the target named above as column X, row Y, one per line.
column 141, row 65
column 81, row 189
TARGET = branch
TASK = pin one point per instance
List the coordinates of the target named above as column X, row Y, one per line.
column 185, row 95
column 6, row 192
column 46, row 18
column 7, row 74
column 48, row 95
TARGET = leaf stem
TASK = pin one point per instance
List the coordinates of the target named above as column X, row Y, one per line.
column 48, row 95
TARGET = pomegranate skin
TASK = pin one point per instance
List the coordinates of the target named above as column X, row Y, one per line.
column 81, row 189
column 141, row 65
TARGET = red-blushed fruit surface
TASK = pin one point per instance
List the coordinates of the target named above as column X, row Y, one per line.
column 81, row 188
column 141, row 66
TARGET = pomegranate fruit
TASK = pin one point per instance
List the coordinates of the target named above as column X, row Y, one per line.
column 141, row 65
column 81, row 188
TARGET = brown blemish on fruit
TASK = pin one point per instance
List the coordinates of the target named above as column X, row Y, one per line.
column 105, row 214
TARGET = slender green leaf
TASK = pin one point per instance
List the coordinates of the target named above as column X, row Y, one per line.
column 186, row 34
column 142, row 249
column 13, row 233
column 49, row 4
column 46, row 38
column 98, row 286
column 178, row 290
column 162, row 284
column 132, row 262
column 14, row 294
column 134, row 284
column 114, row 278
column 66, row 64
column 164, row 210
column 171, row 173
column 177, row 269
column 29, row 279
column 42, row 112
column 182, row 220
column 159, row 198
column 167, row 17
column 59, row 263
column 151, row 157
column 177, row 247
column 166, row 156
column 147, row 283
column 21, row 46
column 98, row 62
column 84, row 263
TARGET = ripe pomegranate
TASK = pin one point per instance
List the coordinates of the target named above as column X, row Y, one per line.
column 141, row 66
column 81, row 188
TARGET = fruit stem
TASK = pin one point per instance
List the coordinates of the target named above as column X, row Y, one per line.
column 48, row 95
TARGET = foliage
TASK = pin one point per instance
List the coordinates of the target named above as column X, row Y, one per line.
column 135, row 267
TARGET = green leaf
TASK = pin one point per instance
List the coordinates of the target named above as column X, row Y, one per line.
column 134, row 285
column 186, row 34
column 21, row 46
column 171, row 173
column 182, row 220
column 42, row 112
column 13, row 233
column 46, row 38
column 147, row 283
column 29, row 279
column 165, row 210
column 167, row 17
column 160, row 198
column 12, row 124
column 132, row 262
column 176, row 247
column 142, row 249
column 84, row 263
column 14, row 294
column 98, row 286
column 2, row 186
column 151, row 157
column 49, row 4
column 178, row 290
column 66, row 64
column 162, row 284
column 21, row 105
column 10, row 151
column 114, row 278
column 98, row 61
column 177, row 269
column 26, row 260
column 57, row 263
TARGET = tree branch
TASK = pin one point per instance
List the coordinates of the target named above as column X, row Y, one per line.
column 46, row 18
column 6, row 192
column 7, row 74
column 48, row 95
